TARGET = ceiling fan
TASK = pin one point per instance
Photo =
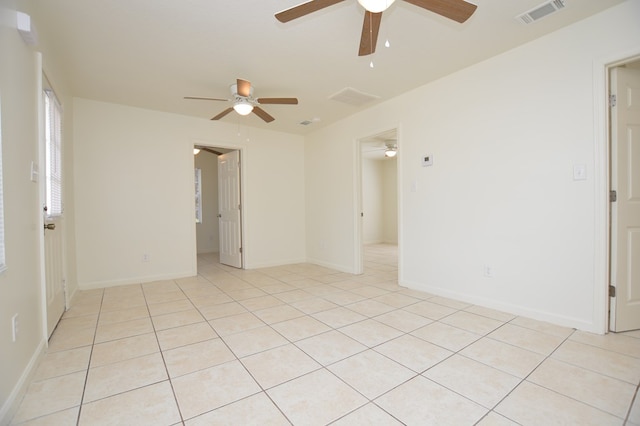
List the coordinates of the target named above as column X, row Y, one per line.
column 389, row 149
column 457, row 10
column 244, row 103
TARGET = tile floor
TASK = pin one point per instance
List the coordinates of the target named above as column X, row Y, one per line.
column 306, row 345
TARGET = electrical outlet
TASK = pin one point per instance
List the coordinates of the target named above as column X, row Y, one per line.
column 146, row 257
column 14, row 328
column 488, row 271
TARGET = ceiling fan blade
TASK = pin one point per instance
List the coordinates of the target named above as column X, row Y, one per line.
column 304, row 9
column 458, row 10
column 205, row 99
column 244, row 87
column 262, row 114
column 370, row 28
column 222, row 114
column 281, row 101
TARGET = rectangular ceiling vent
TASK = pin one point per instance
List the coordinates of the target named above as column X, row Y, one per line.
column 353, row 97
column 541, row 11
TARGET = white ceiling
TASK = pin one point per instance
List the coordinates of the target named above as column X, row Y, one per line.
column 152, row 53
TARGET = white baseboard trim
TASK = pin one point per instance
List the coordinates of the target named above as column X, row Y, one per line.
column 135, row 280
column 518, row 310
column 259, row 265
column 340, row 268
column 11, row 405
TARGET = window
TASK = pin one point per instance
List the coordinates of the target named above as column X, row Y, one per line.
column 53, row 153
column 3, row 264
column 198, row 178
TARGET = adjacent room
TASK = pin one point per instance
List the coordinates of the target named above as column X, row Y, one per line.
column 326, row 212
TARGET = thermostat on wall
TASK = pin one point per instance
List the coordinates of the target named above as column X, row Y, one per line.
column 427, row 160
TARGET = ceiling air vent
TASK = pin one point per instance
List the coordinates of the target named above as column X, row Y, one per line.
column 353, row 97
column 541, row 11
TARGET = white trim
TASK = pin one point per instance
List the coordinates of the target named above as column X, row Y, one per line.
column 136, row 280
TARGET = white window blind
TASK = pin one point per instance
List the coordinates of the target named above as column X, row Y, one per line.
column 53, row 166
column 3, row 263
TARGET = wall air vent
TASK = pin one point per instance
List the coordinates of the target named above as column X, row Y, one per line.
column 353, row 97
column 541, row 11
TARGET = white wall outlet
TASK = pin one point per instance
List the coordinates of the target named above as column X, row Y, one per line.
column 14, row 328
column 146, row 257
column 579, row 172
column 487, row 271
column 427, row 160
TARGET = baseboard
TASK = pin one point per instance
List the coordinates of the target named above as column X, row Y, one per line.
column 339, row 268
column 135, row 280
column 259, row 265
column 518, row 310
column 11, row 405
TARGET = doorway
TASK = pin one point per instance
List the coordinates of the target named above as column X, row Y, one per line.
column 378, row 228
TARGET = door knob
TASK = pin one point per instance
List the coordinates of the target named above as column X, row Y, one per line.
column 50, row 226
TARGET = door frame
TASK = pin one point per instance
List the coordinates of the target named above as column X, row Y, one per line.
column 243, row 167
column 602, row 183
column 358, row 234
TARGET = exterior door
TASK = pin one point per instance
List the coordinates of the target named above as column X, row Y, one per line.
column 229, row 217
column 625, row 211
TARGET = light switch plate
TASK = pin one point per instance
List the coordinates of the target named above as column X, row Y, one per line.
column 427, row 160
column 34, row 172
column 579, row 172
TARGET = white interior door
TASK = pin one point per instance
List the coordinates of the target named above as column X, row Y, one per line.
column 54, row 271
column 625, row 211
column 229, row 217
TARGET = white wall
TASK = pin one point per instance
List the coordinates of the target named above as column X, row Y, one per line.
column 134, row 193
column 505, row 135
column 390, row 201
column 207, row 235
column 379, row 201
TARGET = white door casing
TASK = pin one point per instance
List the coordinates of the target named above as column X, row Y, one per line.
column 625, row 211
column 229, row 216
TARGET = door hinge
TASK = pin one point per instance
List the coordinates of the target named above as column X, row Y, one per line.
column 612, row 291
column 613, row 100
column 240, row 249
column 613, row 196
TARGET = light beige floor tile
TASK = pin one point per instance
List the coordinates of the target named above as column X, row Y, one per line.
column 612, row 364
column 123, row 349
column 510, row 359
column 530, row 404
column 55, row 364
column 201, row 301
column 275, row 289
column 254, row 410
column 397, row 300
column 413, row 353
column 150, row 405
column 197, row 356
column 245, row 293
column 370, row 332
column 494, row 419
column 236, row 323
column 63, row 340
column 61, row 418
column 294, row 296
column 263, row 302
column 206, row 390
column 339, row 317
column 343, row 298
column 213, row 312
column 370, row 373
column 163, row 297
column 117, row 303
column 300, row 328
column 490, row 313
column 451, row 338
column 471, row 322
column 370, row 308
column 634, row 414
column 607, row 394
column 80, row 309
column 368, row 415
column 403, row 320
column 123, row 376
column 542, row 326
column 322, row 290
column 615, row 342
column 51, row 395
column 526, row 338
column 436, row 404
column 312, row 306
column 170, row 307
column 315, row 399
column 422, row 295
column 430, row 310
column 120, row 330
column 121, row 315
column 473, row 380
column 278, row 314
column 455, row 304
column 254, row 341
column 369, row 291
column 185, row 335
column 330, row 347
column 177, row 319
column 278, row 365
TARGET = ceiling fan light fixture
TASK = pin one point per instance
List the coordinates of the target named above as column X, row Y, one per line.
column 390, row 152
column 376, row 6
column 243, row 107
column 196, row 151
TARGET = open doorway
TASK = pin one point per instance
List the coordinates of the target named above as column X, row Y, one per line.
column 214, row 193
column 378, row 199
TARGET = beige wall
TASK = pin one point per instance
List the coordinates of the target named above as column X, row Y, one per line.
column 379, row 195
column 505, row 135
column 207, row 235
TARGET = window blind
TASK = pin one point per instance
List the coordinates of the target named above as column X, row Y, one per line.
column 53, row 140
column 3, row 264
